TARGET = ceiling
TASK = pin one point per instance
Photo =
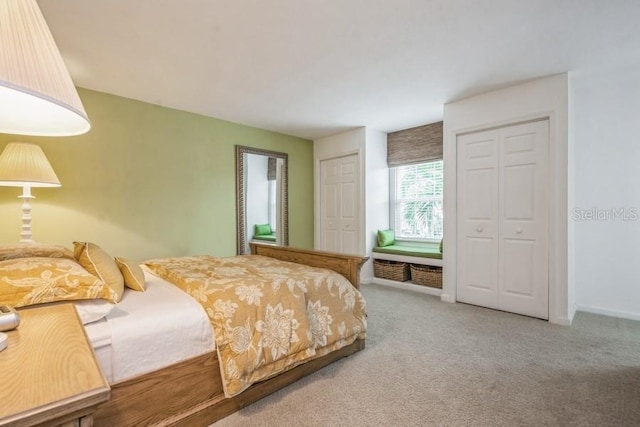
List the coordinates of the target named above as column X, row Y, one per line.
column 315, row 68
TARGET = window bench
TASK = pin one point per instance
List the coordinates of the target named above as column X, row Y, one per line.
column 409, row 254
column 271, row 238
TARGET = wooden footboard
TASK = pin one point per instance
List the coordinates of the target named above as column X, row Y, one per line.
column 347, row 265
column 190, row 393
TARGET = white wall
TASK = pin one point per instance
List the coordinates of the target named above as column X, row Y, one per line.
column 377, row 194
column 257, row 194
column 546, row 97
column 371, row 146
column 606, row 167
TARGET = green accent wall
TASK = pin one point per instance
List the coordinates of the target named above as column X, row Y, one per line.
column 148, row 181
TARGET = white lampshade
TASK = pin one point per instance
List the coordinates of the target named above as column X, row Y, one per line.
column 23, row 164
column 37, row 95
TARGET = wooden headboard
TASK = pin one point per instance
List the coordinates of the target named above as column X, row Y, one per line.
column 347, row 265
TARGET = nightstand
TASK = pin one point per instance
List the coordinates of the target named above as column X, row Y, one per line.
column 49, row 374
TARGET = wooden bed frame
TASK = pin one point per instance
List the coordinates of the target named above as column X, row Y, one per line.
column 190, row 392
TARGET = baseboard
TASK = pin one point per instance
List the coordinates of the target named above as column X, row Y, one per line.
column 447, row 298
column 607, row 312
column 560, row 321
column 407, row 286
column 572, row 312
column 366, row 280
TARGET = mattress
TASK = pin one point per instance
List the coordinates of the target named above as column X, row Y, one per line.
column 150, row 330
column 99, row 334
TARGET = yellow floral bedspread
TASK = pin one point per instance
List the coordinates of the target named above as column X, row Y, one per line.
column 268, row 316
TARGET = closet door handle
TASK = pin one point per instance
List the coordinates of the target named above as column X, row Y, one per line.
column 519, row 230
column 479, row 229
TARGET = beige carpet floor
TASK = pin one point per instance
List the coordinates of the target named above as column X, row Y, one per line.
column 429, row 363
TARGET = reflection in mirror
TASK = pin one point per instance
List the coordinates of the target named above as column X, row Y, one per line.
column 262, row 199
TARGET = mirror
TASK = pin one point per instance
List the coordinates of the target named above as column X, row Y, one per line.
column 261, row 197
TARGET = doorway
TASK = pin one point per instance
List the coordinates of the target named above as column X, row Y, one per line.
column 340, row 204
column 502, row 221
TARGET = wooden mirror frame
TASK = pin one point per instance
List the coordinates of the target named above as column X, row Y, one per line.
column 241, row 207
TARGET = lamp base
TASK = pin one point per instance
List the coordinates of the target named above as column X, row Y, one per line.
column 25, row 234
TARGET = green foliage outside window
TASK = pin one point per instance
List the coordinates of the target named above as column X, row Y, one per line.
column 418, row 201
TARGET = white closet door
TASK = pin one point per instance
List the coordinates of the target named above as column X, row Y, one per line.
column 478, row 228
column 339, row 198
column 524, row 231
column 503, row 232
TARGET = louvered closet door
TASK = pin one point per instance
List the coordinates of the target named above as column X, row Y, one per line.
column 503, row 232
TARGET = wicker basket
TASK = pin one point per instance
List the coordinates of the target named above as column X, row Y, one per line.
column 392, row 270
column 426, row 275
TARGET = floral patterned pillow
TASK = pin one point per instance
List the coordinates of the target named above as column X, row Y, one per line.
column 27, row 250
column 35, row 280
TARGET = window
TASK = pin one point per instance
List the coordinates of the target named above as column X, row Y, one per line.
column 416, row 201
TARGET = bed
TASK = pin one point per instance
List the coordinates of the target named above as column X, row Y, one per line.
column 198, row 381
column 192, row 391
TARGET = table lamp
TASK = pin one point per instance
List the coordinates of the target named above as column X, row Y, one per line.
column 25, row 165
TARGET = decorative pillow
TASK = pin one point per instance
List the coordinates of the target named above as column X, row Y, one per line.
column 101, row 264
column 28, row 250
column 262, row 230
column 91, row 311
column 36, row 280
column 386, row 237
column 132, row 273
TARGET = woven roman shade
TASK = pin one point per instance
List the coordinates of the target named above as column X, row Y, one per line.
column 271, row 169
column 415, row 145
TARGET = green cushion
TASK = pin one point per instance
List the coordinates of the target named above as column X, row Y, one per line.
column 386, row 237
column 424, row 252
column 265, row 237
column 262, row 229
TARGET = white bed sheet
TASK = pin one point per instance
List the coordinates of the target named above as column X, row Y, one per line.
column 150, row 330
column 99, row 334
